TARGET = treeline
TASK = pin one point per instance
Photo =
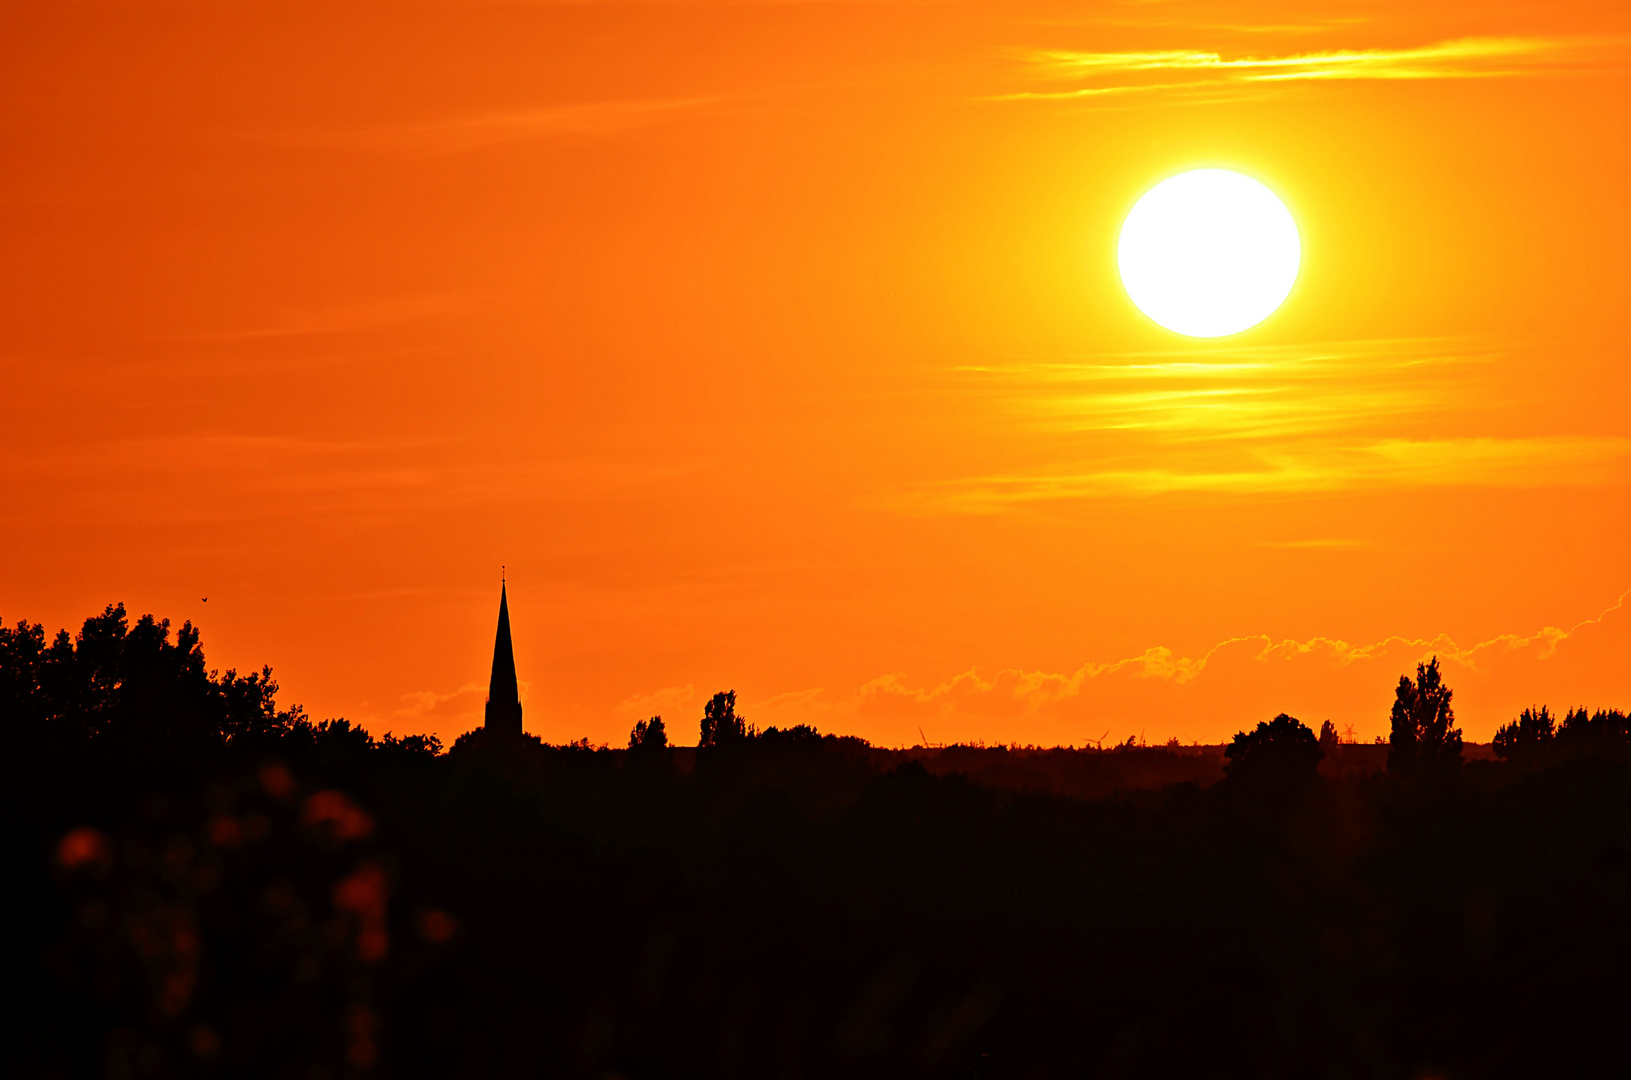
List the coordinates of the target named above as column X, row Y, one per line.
column 207, row 884
column 1534, row 738
column 132, row 690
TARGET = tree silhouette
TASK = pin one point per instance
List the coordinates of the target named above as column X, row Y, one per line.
column 137, row 693
column 648, row 735
column 1425, row 741
column 301, row 899
column 1605, row 729
column 1281, row 755
column 721, row 726
column 1526, row 736
column 797, row 735
column 129, row 687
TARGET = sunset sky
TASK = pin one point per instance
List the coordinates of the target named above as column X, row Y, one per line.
column 780, row 347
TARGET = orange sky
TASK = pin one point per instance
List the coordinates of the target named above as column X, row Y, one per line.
column 780, row 347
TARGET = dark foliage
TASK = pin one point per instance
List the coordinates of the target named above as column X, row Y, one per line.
column 128, row 687
column 1533, row 739
column 648, row 735
column 133, row 693
column 1527, row 736
column 720, row 724
column 1281, row 753
column 1424, row 744
column 270, row 897
column 1272, row 774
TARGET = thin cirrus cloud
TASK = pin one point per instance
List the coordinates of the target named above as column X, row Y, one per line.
column 1169, row 70
column 459, row 134
column 344, row 483
column 1279, row 420
column 1541, row 461
column 1242, row 393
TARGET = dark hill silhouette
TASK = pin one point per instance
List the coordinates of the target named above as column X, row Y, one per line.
column 204, row 883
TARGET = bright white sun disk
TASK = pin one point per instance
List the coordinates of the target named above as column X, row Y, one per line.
column 1209, row 253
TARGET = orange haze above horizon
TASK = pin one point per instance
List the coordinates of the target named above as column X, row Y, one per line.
column 779, row 347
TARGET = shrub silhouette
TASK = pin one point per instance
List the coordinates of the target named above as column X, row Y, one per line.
column 1279, row 755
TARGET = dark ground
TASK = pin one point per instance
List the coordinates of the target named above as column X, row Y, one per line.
column 202, row 885
column 807, row 910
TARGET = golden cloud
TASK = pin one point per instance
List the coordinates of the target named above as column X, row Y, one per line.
column 1109, row 73
column 1331, row 417
column 1245, row 393
column 1541, row 461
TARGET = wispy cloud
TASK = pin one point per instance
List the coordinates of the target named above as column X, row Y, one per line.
column 1341, row 416
column 1123, row 688
column 1542, row 461
column 1116, row 73
column 1248, row 393
column 462, row 133
column 465, row 701
column 676, row 704
column 204, row 477
column 1214, row 691
column 1464, row 58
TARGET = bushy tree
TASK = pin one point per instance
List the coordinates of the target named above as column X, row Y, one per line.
column 133, row 687
column 1424, row 741
column 136, row 691
column 409, row 746
column 721, row 726
column 648, row 736
column 1280, row 753
column 797, row 735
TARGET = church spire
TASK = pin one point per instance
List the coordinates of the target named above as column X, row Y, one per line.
column 503, row 697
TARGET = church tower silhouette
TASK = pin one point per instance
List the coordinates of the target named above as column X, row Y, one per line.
column 503, row 697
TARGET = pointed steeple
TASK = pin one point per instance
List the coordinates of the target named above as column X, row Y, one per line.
column 503, row 697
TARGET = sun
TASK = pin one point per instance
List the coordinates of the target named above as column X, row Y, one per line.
column 1209, row 253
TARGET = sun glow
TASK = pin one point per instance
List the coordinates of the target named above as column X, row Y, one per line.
column 1209, row 253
